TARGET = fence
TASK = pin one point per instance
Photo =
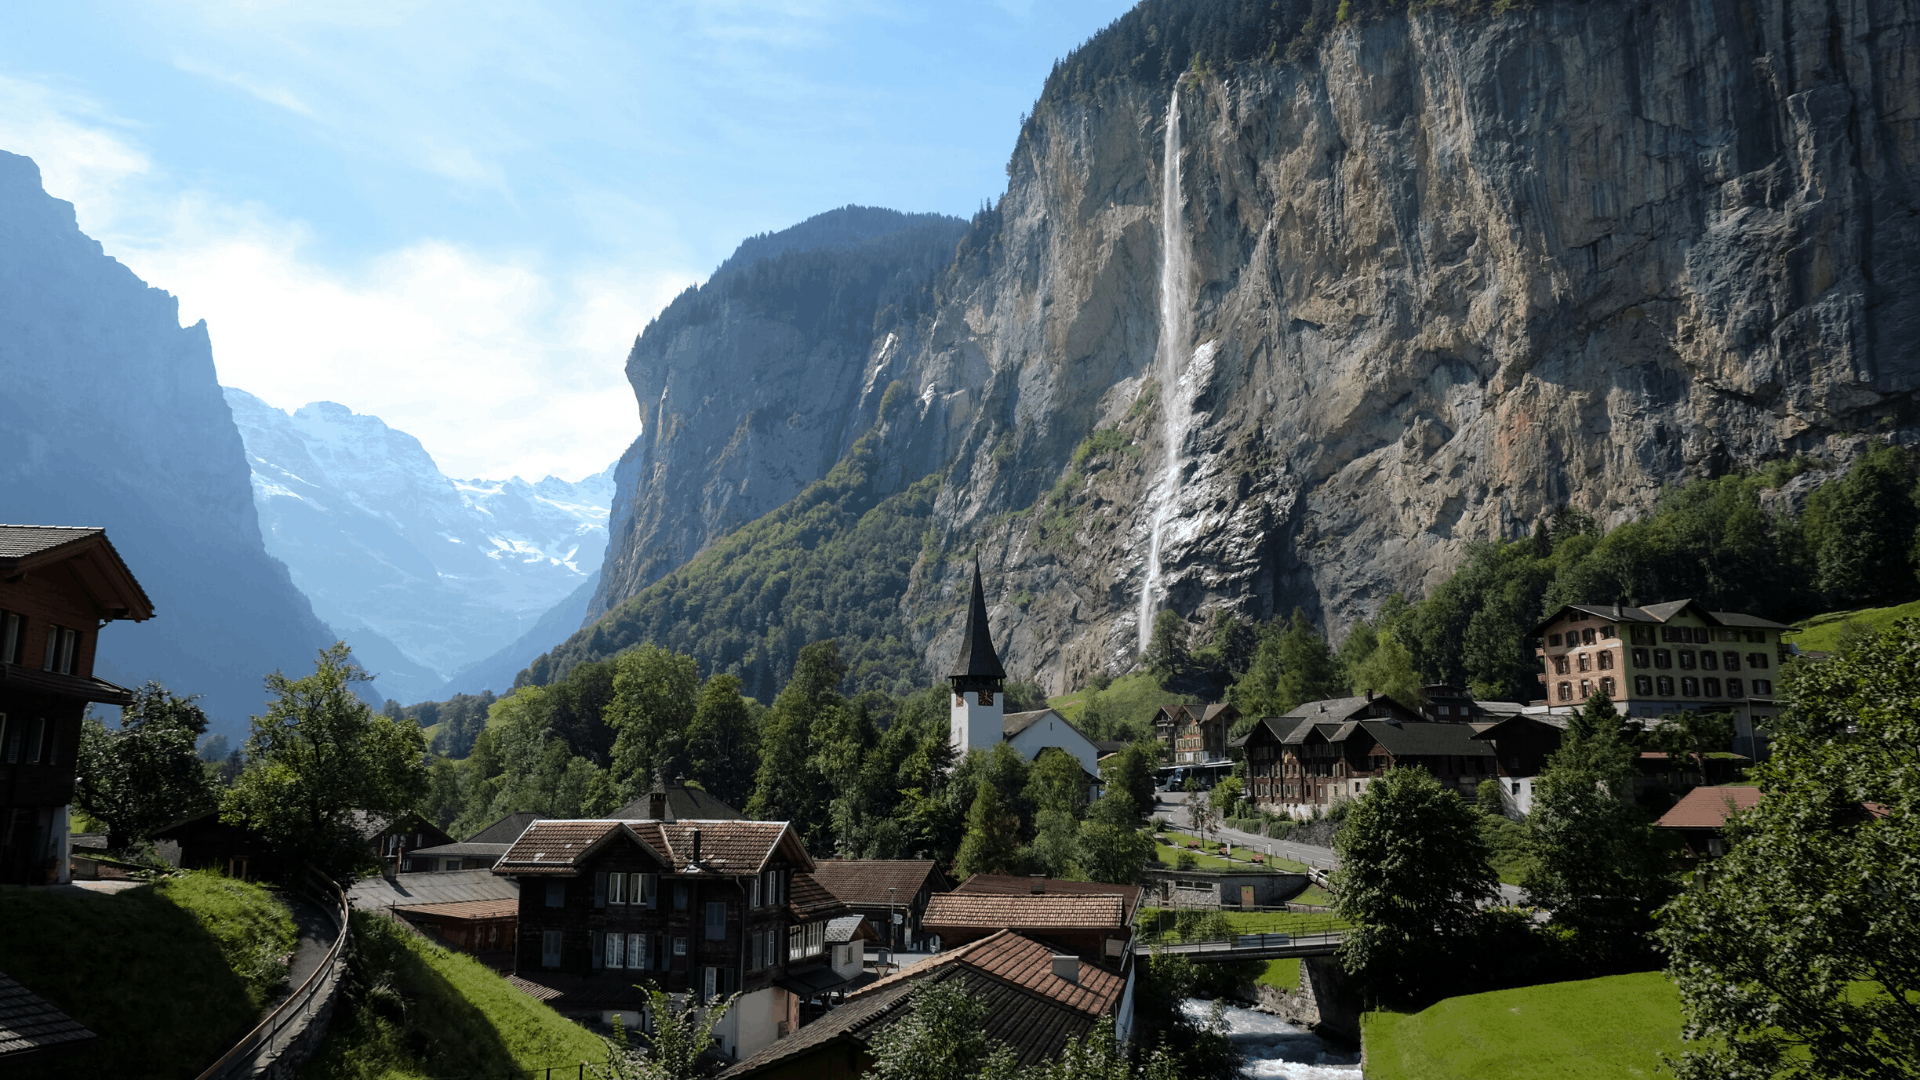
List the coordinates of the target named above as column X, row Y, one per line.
column 305, row 1009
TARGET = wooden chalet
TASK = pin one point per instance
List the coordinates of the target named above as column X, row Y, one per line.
column 1090, row 919
column 1697, row 823
column 1327, row 751
column 477, row 852
column 1036, row 1001
column 58, row 587
column 1195, row 734
column 881, row 889
column 704, row 908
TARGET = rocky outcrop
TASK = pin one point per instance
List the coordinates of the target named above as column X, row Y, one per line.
column 112, row 416
column 1447, row 272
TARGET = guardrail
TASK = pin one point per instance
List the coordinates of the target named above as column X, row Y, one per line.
column 1250, row 946
column 271, row 1037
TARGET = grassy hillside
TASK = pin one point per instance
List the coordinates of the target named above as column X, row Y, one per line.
column 418, row 1010
column 1823, row 632
column 1612, row 1027
column 118, row 963
column 1124, row 710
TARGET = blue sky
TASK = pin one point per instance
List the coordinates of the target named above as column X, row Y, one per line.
column 456, row 217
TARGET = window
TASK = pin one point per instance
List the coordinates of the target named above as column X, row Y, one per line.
column 1609, row 632
column 1606, row 660
column 1586, row 662
column 1586, row 636
column 1663, row 658
column 1757, row 660
column 716, row 920
column 1606, row 685
column 1687, row 661
column 616, row 950
column 1665, row 685
column 1642, row 685
column 680, row 898
column 679, row 945
column 1516, row 787
column 637, row 951
column 1586, row 689
column 61, row 644
column 710, row 985
column 1553, row 640
column 1566, row 691
column 550, row 948
column 15, row 634
column 616, row 893
column 1689, row 687
column 643, row 888
column 1709, row 660
column 1763, row 688
column 36, row 736
column 1666, row 633
column 1710, row 687
column 1641, row 635
column 556, row 894
column 1640, row 658
column 1559, row 665
column 1734, row 688
column 1730, row 660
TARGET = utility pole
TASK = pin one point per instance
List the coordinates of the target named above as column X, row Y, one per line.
column 890, row 922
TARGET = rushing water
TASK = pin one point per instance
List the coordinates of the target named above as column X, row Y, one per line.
column 1175, row 309
column 1275, row 1048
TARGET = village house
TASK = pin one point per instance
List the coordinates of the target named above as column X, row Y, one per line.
column 1665, row 658
column 1037, row 999
column 1195, row 734
column 704, row 908
column 58, row 587
column 1327, row 751
column 1088, row 918
column 978, row 717
column 1521, row 744
column 477, row 852
column 889, row 892
column 1696, row 825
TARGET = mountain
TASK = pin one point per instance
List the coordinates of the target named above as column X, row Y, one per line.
column 113, row 417
column 424, row 574
column 1288, row 305
column 496, row 672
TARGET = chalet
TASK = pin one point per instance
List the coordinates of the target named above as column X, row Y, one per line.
column 705, row 908
column 1521, row 744
column 1036, row 1001
column 395, row 840
column 889, row 892
column 477, row 852
column 1697, row 822
column 58, row 587
column 1326, row 751
column 1195, row 734
column 204, row 842
column 1665, row 658
column 978, row 717
column 1087, row 918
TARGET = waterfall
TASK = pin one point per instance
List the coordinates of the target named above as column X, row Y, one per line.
column 1170, row 363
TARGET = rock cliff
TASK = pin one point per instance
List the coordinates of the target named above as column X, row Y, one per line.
column 1438, row 274
column 112, row 416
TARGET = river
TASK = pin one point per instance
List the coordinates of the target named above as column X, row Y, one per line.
column 1277, row 1050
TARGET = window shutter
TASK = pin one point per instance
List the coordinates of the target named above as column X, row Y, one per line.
column 653, row 890
column 600, row 890
column 598, row 959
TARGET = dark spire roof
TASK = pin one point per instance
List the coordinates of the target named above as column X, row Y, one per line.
column 977, row 660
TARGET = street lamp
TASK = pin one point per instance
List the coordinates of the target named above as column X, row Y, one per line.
column 890, row 923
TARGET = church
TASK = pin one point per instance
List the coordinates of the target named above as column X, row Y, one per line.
column 979, row 719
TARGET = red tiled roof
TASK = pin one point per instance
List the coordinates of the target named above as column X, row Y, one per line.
column 865, row 881
column 1028, row 964
column 554, row 847
column 726, row 847
column 1008, row 884
column 1050, row 911
column 1709, row 807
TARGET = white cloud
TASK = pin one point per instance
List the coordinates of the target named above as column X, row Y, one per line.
column 82, row 157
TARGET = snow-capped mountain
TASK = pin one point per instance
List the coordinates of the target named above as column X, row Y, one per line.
column 423, row 574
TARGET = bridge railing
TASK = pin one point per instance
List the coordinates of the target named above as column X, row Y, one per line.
column 269, row 1038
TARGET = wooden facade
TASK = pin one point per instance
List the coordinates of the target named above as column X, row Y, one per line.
column 58, row 587
column 1327, row 751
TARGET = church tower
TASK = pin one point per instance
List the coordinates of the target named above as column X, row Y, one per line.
column 978, row 710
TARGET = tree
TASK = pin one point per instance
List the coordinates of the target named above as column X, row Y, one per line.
column 318, row 759
column 147, row 774
column 1308, row 669
column 1167, row 647
column 1132, row 771
column 1099, row 1056
column 1388, row 671
column 1596, row 863
column 1690, row 737
column 1798, row 954
column 1056, row 781
column 722, row 744
column 1056, row 844
column 653, row 703
column 943, row 1038
column 992, row 840
column 788, row 785
column 1202, row 818
column 1112, row 853
column 1413, row 872
column 681, row 1037
column 1861, row 527
column 1225, row 796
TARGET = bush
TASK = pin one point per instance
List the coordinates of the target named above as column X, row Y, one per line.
column 1280, row 830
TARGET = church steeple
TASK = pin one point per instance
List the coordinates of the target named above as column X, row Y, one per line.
column 978, row 714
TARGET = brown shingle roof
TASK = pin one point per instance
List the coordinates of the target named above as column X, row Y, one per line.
column 1709, row 807
column 97, row 563
column 555, row 847
column 1047, row 911
column 465, row 909
column 726, row 847
column 30, row 1024
column 865, row 881
column 1029, row 1008
column 1008, row 884
column 809, row 900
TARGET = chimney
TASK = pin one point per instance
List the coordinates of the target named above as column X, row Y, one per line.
column 1369, row 693
column 1067, row 967
column 1039, row 882
column 696, row 844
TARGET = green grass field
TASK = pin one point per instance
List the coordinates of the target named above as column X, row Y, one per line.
column 1283, row 974
column 444, row 1014
column 1822, row 632
column 122, row 965
column 1132, row 698
column 1214, row 862
column 1618, row 1026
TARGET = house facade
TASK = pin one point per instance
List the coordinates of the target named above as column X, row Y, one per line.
column 1665, row 658
column 705, row 908
column 889, row 892
column 1326, row 751
column 58, row 587
column 1195, row 734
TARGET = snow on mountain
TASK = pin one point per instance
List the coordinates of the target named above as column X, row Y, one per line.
column 426, row 573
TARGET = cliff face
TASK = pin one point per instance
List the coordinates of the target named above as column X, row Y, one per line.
column 754, row 384
column 112, row 416
column 1442, row 275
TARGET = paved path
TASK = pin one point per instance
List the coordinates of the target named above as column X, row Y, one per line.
column 1172, row 805
column 316, row 935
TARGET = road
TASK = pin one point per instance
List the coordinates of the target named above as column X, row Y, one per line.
column 1172, row 805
